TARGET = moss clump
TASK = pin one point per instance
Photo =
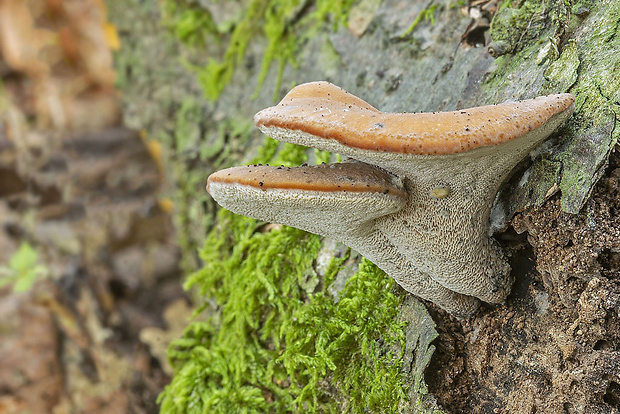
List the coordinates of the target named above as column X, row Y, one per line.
column 189, row 22
column 284, row 23
column 277, row 340
column 274, row 346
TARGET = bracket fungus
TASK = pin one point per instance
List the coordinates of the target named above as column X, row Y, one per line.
column 415, row 196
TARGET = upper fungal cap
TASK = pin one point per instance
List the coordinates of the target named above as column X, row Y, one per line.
column 352, row 176
column 326, row 111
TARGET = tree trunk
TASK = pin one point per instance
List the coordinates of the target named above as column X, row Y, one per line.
column 555, row 344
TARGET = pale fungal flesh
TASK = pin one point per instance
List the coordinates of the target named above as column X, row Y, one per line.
column 416, row 197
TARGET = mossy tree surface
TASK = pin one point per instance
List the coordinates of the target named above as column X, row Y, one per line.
column 278, row 338
column 250, row 350
column 272, row 335
column 272, row 346
column 564, row 46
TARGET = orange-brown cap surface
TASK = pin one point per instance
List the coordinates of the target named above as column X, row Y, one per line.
column 347, row 176
column 326, row 111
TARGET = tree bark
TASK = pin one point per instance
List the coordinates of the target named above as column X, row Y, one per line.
column 516, row 357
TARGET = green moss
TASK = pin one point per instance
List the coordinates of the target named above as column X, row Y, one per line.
column 189, row 22
column 279, row 341
column 201, row 153
column 276, row 20
column 427, row 14
column 187, row 134
column 290, row 155
column 217, row 74
column 342, row 340
column 274, row 346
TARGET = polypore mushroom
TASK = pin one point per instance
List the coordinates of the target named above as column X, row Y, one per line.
column 417, row 200
column 335, row 200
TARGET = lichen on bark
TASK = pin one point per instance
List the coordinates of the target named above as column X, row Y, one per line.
column 578, row 54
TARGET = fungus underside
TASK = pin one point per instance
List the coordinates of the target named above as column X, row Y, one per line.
column 278, row 341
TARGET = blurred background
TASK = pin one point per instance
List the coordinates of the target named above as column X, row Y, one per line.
column 88, row 259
